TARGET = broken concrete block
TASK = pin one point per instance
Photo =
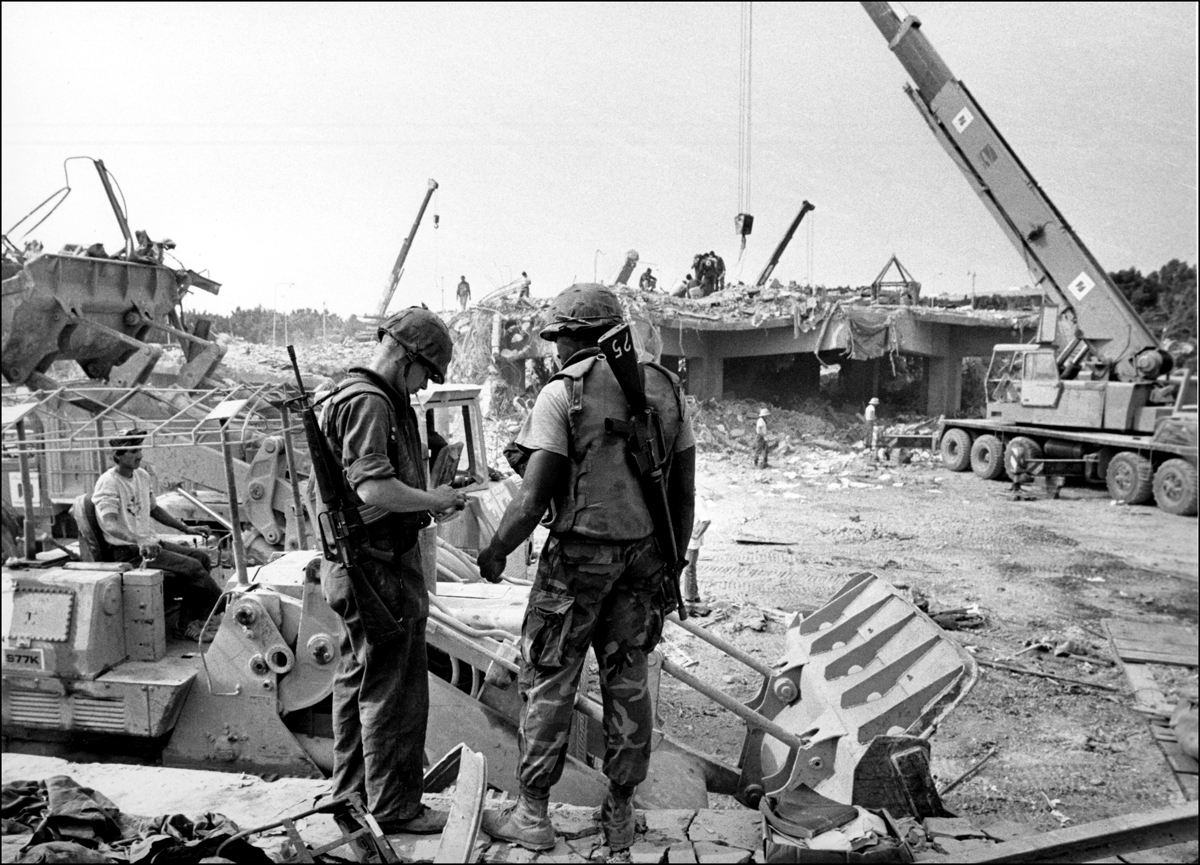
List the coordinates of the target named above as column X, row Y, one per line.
column 647, row 854
column 951, row 827
column 585, row 846
column 668, row 826
column 682, row 852
column 736, row 828
column 708, row 851
column 562, row 853
column 573, row 822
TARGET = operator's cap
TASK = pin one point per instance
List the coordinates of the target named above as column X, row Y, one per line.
column 874, row 400
column 582, row 307
column 764, row 412
column 127, row 440
column 425, row 335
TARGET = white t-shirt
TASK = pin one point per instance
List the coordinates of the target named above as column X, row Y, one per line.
column 130, row 499
column 548, row 426
column 869, row 413
column 760, row 428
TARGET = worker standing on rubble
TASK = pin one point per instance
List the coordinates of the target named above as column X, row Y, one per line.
column 464, row 292
column 125, row 506
column 760, row 437
column 600, row 577
column 869, row 431
column 381, row 690
column 691, row 583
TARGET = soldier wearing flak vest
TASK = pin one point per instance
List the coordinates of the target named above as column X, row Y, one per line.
column 381, row 690
column 600, row 577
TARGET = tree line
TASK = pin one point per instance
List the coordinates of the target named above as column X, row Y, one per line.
column 255, row 325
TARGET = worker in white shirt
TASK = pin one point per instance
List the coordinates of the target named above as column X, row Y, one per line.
column 760, row 437
column 869, row 417
column 691, row 587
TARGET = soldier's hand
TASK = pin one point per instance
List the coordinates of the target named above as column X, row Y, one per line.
column 447, row 498
column 491, row 564
column 150, row 548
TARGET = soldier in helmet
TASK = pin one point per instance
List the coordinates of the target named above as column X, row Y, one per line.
column 381, row 690
column 600, row 577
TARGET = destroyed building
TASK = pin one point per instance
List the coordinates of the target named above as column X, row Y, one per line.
column 771, row 343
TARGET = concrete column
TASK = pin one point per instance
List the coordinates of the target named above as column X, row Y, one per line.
column 943, row 385
column 706, row 377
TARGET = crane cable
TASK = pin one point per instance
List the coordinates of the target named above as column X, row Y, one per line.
column 744, row 82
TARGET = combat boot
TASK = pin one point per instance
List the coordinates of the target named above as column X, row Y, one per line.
column 618, row 820
column 524, row 822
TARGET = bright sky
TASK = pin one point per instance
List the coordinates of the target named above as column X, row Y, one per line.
column 286, row 147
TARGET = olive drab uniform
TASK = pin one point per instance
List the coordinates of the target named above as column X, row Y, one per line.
column 598, row 583
column 381, row 690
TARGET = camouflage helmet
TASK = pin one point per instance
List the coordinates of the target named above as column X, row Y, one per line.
column 582, row 307
column 425, row 336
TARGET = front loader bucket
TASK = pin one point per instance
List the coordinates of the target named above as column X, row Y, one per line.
column 863, row 682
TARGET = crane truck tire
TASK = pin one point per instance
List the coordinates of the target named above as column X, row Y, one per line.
column 1130, row 478
column 1033, row 452
column 987, row 457
column 1175, row 487
column 956, row 450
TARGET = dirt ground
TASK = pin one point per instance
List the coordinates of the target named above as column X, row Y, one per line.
column 1035, row 569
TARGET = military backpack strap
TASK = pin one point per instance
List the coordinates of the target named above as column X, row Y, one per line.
column 676, row 384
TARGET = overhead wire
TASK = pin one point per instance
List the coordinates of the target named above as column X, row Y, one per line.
column 745, row 57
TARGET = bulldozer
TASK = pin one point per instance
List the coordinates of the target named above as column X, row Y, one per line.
column 845, row 713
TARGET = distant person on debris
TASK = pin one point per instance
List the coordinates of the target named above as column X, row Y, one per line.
column 600, row 577
column 648, row 282
column 523, row 294
column 710, row 271
column 691, row 585
column 125, row 505
column 464, row 292
column 869, row 417
column 760, row 437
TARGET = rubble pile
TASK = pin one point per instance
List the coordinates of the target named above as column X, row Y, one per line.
column 251, row 361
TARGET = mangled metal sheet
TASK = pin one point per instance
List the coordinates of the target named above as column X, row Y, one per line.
column 867, row 664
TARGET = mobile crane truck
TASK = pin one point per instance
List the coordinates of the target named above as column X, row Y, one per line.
column 1093, row 395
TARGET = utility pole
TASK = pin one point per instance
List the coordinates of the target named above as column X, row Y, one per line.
column 972, row 273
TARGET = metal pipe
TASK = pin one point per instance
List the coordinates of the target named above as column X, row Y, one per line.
column 398, row 267
column 787, row 238
column 27, row 488
column 120, row 214
column 751, row 717
column 235, row 517
column 290, row 452
column 726, row 647
column 202, row 506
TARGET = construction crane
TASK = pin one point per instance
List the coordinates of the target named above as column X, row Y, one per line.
column 787, row 238
column 1091, row 395
column 398, row 267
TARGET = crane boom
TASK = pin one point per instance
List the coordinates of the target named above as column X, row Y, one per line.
column 1061, row 265
column 787, row 238
column 394, row 279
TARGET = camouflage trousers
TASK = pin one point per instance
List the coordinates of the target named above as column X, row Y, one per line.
column 606, row 595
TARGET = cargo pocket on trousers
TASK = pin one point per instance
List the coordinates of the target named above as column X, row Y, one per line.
column 547, row 625
column 660, row 605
